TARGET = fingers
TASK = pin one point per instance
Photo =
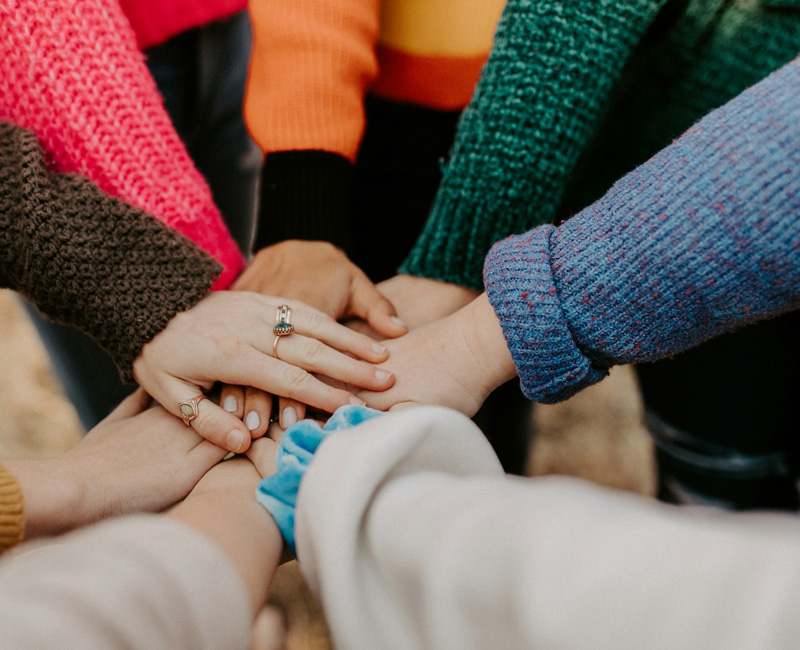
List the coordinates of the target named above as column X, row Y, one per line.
column 257, row 409
column 231, row 398
column 262, row 455
column 252, row 368
column 314, row 356
column 290, row 411
column 315, row 324
column 369, row 304
column 212, row 422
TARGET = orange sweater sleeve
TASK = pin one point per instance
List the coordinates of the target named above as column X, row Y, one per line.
column 312, row 63
column 12, row 511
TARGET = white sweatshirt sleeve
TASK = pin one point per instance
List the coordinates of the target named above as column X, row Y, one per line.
column 138, row 583
column 412, row 537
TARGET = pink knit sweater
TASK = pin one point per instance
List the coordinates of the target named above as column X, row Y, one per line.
column 154, row 21
column 72, row 73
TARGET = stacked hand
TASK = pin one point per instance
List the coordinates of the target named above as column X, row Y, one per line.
column 229, row 337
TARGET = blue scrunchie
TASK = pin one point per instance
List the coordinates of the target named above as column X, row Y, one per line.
column 278, row 493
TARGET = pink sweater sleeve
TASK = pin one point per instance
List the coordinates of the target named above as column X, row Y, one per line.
column 72, row 73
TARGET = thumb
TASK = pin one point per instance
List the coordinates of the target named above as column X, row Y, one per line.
column 370, row 305
column 212, row 422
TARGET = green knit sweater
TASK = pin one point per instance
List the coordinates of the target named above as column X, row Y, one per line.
column 577, row 93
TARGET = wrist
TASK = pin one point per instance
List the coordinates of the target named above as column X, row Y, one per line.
column 487, row 344
column 55, row 496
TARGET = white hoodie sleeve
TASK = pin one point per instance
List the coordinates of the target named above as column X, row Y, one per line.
column 412, row 537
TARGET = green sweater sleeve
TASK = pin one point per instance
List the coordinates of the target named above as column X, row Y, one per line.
column 540, row 99
column 88, row 260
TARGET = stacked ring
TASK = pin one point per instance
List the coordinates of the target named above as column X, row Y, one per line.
column 283, row 326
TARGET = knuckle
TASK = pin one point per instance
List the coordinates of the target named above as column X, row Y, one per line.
column 294, row 377
column 313, row 349
column 313, row 320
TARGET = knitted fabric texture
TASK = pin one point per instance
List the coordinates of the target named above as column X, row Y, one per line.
column 701, row 239
column 88, row 260
column 155, row 21
column 71, row 72
column 428, row 55
column 553, row 86
column 12, row 511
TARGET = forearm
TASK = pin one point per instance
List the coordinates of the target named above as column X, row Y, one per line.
column 407, row 523
column 310, row 123
column 240, row 527
column 88, row 260
column 52, row 497
column 537, row 105
column 102, row 116
column 700, row 239
column 134, row 582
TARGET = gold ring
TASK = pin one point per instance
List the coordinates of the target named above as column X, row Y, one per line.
column 275, row 346
column 189, row 408
column 283, row 318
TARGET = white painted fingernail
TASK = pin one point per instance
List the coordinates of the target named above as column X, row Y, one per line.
column 382, row 375
column 235, row 440
column 357, row 402
column 252, row 421
column 377, row 347
column 399, row 322
column 230, row 404
column 289, row 417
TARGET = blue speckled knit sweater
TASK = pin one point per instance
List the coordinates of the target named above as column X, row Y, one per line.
column 701, row 239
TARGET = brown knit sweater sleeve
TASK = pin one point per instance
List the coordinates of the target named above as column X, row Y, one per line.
column 12, row 511
column 88, row 260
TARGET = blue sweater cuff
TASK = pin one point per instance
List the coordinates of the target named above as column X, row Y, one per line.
column 519, row 283
column 278, row 493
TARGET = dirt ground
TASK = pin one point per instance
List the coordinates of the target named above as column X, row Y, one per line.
column 596, row 435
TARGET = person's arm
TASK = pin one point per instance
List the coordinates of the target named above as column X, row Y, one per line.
column 88, row 260
column 537, row 105
column 311, row 65
column 407, row 529
column 699, row 240
column 79, row 82
column 191, row 579
column 136, row 460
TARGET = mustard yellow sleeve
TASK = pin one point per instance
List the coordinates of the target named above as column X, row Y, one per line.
column 12, row 511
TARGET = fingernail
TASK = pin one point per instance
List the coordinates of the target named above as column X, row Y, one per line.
column 357, row 402
column 399, row 322
column 289, row 417
column 377, row 347
column 235, row 440
column 252, row 421
column 382, row 375
column 230, row 404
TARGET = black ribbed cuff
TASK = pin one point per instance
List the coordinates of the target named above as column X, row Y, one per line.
column 305, row 195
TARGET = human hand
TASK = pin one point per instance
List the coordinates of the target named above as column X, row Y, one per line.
column 420, row 301
column 228, row 337
column 137, row 459
column 456, row 361
column 320, row 275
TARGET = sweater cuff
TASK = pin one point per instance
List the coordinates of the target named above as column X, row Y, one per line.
column 305, row 195
column 12, row 511
column 520, row 286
